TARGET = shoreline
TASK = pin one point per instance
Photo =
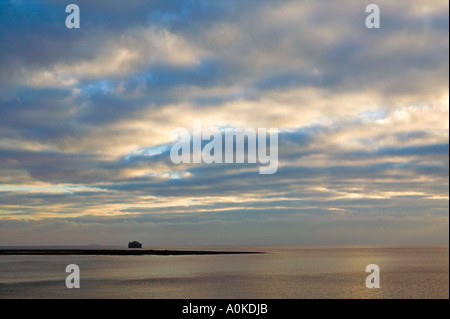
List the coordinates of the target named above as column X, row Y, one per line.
column 118, row 252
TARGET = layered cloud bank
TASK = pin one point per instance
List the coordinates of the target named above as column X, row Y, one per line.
column 87, row 115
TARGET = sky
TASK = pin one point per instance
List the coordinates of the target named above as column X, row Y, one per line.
column 87, row 115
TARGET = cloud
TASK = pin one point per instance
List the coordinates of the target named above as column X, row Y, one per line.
column 115, row 58
column 87, row 115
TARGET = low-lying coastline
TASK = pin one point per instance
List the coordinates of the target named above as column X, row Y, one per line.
column 118, row 252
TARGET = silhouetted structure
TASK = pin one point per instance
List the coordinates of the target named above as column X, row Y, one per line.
column 134, row 244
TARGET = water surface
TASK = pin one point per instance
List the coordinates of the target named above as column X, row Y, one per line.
column 282, row 272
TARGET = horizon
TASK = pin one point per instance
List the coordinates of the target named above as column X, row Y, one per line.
column 144, row 247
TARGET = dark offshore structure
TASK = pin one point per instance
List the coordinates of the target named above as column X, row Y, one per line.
column 134, row 244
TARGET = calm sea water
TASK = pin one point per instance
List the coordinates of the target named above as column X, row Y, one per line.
column 282, row 272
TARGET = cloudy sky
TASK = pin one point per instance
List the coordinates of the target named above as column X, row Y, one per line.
column 86, row 121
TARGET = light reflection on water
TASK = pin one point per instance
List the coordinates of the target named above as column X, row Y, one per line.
column 282, row 272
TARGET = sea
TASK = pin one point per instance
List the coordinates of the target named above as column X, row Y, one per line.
column 287, row 272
